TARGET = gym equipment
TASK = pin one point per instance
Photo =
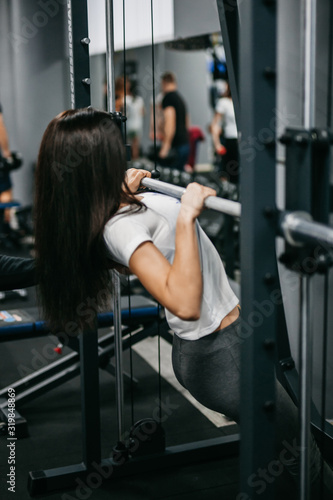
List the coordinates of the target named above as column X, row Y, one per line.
column 221, row 205
column 252, row 79
column 8, row 237
column 13, row 163
column 7, row 165
column 139, row 321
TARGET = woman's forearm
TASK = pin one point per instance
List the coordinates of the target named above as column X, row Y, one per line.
column 185, row 280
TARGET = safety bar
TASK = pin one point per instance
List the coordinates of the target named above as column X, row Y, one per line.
column 298, row 228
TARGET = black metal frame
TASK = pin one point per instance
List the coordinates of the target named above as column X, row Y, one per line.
column 258, row 234
column 141, row 321
column 78, row 43
column 307, row 168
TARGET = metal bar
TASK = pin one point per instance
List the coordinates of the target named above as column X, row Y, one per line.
column 257, row 64
column 305, row 351
column 298, row 228
column 310, row 19
column 90, row 403
column 212, row 202
column 45, row 481
column 80, row 97
column 110, row 75
column 78, row 47
column 118, row 345
column 119, row 381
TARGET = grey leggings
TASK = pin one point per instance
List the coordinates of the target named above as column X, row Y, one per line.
column 209, row 368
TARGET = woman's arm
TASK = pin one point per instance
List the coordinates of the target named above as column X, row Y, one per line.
column 4, row 143
column 216, row 131
column 178, row 287
column 169, row 130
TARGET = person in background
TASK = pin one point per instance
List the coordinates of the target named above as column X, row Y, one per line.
column 176, row 122
column 122, row 88
column 156, row 119
column 135, row 110
column 224, row 124
column 6, row 193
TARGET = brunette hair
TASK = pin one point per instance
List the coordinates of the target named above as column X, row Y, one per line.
column 168, row 77
column 80, row 184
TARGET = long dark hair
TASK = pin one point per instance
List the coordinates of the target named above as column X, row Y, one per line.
column 79, row 186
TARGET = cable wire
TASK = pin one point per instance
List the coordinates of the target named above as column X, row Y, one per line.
column 124, row 64
column 128, row 279
column 153, row 80
column 155, row 155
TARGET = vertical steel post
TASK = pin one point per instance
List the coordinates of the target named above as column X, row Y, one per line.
column 118, row 353
column 78, row 49
column 110, row 75
column 305, row 381
column 305, row 340
column 110, row 79
column 77, row 15
column 259, row 277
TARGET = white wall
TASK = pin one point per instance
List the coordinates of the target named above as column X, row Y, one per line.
column 33, row 80
column 195, row 17
column 137, row 23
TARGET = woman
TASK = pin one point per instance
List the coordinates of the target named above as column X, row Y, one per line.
column 88, row 217
column 224, row 123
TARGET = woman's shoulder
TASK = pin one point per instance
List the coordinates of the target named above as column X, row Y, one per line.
column 156, row 205
column 160, row 202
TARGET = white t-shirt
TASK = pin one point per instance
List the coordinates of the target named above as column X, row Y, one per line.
column 134, row 111
column 225, row 108
column 126, row 231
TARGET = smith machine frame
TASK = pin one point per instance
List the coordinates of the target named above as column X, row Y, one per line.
column 251, row 59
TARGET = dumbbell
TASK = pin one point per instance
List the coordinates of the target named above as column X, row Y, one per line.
column 12, row 163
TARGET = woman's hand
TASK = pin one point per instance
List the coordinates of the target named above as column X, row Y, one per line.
column 192, row 201
column 133, row 178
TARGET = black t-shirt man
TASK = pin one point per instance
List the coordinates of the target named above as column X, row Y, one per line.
column 175, row 100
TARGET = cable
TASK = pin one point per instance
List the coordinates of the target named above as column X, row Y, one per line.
column 159, row 365
column 330, row 67
column 128, row 279
column 324, row 384
column 124, row 63
column 155, row 172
